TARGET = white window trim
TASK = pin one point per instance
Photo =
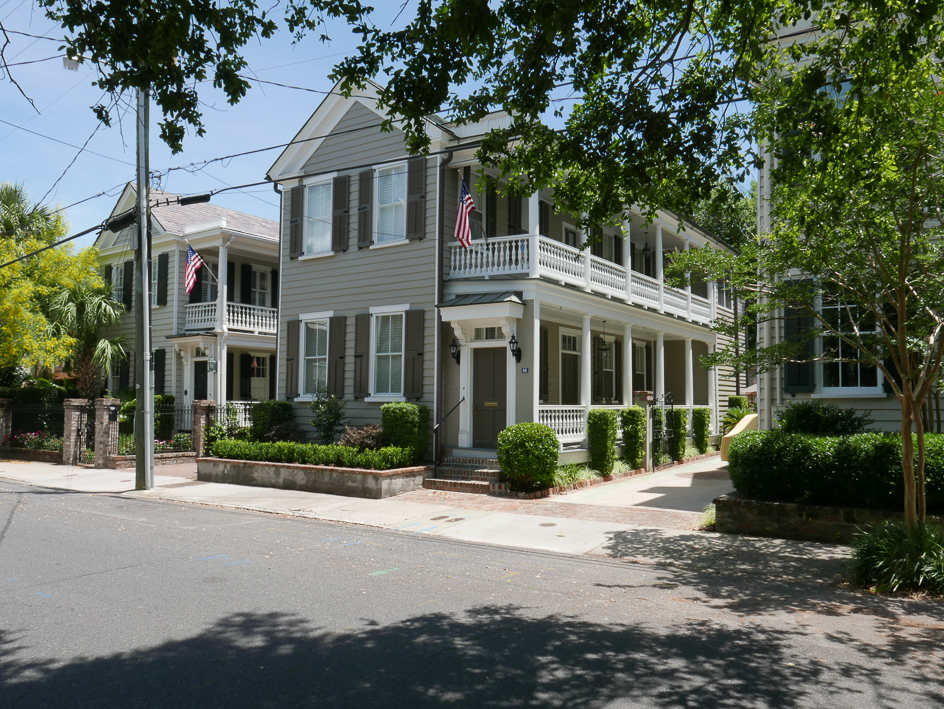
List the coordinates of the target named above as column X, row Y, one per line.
column 823, row 392
column 375, row 204
column 267, row 270
column 565, row 227
column 303, row 320
column 314, row 182
column 372, row 366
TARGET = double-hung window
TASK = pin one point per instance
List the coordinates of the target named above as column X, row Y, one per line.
column 117, row 282
column 209, row 287
column 388, row 354
column 318, row 216
column 842, row 370
column 391, row 204
column 259, row 294
column 315, row 356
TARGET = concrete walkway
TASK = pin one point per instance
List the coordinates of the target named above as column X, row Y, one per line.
column 649, row 519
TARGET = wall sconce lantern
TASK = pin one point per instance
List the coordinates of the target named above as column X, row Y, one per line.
column 454, row 350
column 646, row 251
column 211, row 364
column 513, row 347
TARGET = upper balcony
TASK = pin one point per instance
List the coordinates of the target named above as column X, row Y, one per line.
column 240, row 317
column 531, row 256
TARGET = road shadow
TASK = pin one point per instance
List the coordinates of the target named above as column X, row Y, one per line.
column 495, row 656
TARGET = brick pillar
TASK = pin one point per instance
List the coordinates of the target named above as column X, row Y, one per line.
column 6, row 422
column 70, row 428
column 106, row 430
column 202, row 412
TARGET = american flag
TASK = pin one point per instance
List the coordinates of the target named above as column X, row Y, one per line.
column 193, row 265
column 466, row 207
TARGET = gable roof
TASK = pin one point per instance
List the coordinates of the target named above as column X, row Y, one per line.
column 174, row 217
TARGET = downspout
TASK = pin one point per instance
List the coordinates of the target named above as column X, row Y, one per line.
column 278, row 311
column 440, row 290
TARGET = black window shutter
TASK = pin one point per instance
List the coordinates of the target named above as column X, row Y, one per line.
column 340, row 197
column 491, row 214
column 544, row 392
column 618, row 371
column 124, row 374
column 274, row 290
column 514, row 216
column 416, row 199
column 230, row 282
column 158, row 359
column 271, row 376
column 798, row 376
column 127, row 293
column 413, row 354
column 296, row 201
column 632, row 256
column 596, row 242
column 336, row 335
column 245, row 283
column 618, row 250
column 245, row 376
column 365, row 186
column 597, row 369
column 107, row 275
column 196, row 295
column 544, row 218
column 230, row 374
column 162, row 261
column 361, row 355
column 291, row 357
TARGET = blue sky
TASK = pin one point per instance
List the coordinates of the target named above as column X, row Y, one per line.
column 267, row 116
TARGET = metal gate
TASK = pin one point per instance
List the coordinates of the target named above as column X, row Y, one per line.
column 662, row 436
column 84, row 451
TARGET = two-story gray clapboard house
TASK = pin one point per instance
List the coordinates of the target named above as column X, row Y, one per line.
column 380, row 303
column 226, row 323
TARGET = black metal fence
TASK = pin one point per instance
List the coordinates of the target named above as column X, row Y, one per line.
column 36, row 427
column 172, row 431
column 84, row 451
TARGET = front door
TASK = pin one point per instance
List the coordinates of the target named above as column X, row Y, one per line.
column 489, row 407
column 570, row 379
column 200, row 380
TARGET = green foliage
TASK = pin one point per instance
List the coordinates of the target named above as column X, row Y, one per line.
column 286, row 431
column 731, row 419
column 573, row 473
column 890, row 559
column 863, row 470
column 328, row 415
column 679, row 442
column 41, row 393
column 528, row 454
column 819, row 419
column 266, row 415
column 601, row 432
column 709, row 518
column 406, row 425
column 701, row 429
column 312, row 454
column 738, row 402
column 633, row 420
column 367, row 437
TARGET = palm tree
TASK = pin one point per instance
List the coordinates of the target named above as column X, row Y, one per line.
column 79, row 314
column 20, row 219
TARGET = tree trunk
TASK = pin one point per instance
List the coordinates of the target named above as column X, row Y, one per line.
column 919, row 471
column 907, row 461
column 86, row 376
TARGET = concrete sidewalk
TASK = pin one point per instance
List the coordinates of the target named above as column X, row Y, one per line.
column 648, row 519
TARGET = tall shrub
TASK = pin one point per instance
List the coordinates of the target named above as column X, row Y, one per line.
column 406, row 425
column 738, row 402
column 658, row 426
column 679, row 434
column 633, row 420
column 528, row 454
column 701, row 428
column 328, row 416
column 266, row 415
column 601, row 432
column 819, row 419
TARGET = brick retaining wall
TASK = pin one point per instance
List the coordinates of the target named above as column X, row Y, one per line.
column 28, row 454
column 837, row 525
column 121, row 462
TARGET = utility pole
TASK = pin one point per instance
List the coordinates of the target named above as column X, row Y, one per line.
column 144, row 388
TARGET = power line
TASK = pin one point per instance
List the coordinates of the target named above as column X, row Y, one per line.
column 34, row 36
column 51, row 246
column 81, row 150
column 62, row 142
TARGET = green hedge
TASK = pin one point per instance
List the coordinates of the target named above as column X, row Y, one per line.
column 311, row 454
column 679, row 434
column 738, row 402
column 701, row 429
column 406, row 426
column 633, row 420
column 266, row 415
column 601, row 432
column 163, row 420
column 862, row 470
column 42, row 393
column 528, row 454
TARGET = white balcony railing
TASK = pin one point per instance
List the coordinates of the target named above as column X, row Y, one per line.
column 570, row 422
column 239, row 316
column 540, row 257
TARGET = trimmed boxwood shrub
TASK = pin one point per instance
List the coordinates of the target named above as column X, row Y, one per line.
column 406, row 426
column 163, row 419
column 528, row 454
column 679, row 434
column 266, row 415
column 821, row 419
column 701, row 429
column 311, row 454
column 601, row 432
column 738, row 402
column 633, row 420
column 863, row 470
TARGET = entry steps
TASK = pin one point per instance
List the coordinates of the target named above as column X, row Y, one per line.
column 476, row 475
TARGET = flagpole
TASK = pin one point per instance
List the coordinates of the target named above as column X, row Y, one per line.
column 209, row 270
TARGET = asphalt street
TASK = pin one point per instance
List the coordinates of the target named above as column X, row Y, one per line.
column 112, row 601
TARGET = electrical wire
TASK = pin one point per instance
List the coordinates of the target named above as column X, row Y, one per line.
column 51, row 246
column 62, row 142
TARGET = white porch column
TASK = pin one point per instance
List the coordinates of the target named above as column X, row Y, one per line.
column 689, row 378
column 628, row 261
column 660, row 364
column 536, row 363
column 185, row 353
column 585, row 363
column 713, row 393
column 658, row 257
column 587, row 270
column 465, row 387
column 511, row 377
column 222, row 286
column 534, row 229
column 221, row 370
column 688, row 288
column 713, row 300
column 627, row 365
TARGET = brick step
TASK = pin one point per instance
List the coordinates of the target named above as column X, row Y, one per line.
column 481, row 487
column 467, row 473
column 485, row 463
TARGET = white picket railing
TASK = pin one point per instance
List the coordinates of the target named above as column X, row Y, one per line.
column 239, row 316
column 513, row 255
column 570, row 422
column 200, row 316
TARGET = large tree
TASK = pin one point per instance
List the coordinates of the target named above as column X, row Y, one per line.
column 852, row 267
